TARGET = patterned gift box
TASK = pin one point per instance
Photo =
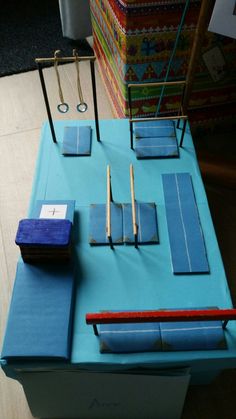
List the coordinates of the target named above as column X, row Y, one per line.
column 133, row 41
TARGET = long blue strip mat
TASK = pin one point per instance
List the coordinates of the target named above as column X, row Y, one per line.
column 188, row 252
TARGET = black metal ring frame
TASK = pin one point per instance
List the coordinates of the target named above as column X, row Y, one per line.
column 40, row 61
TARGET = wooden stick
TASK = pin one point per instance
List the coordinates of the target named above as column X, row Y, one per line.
column 158, row 84
column 64, row 59
column 108, row 207
column 161, row 118
column 203, row 19
column 160, row 315
column 135, row 229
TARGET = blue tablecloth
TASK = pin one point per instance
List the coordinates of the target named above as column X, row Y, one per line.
column 127, row 278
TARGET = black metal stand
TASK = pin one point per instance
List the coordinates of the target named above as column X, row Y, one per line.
column 39, row 62
column 46, row 102
column 95, row 99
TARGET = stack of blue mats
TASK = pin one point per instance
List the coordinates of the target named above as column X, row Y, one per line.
column 155, row 139
column 163, row 336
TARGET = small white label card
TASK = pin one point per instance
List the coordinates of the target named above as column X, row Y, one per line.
column 53, row 211
column 223, row 19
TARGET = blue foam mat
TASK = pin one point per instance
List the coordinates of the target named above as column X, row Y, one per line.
column 77, row 141
column 40, row 316
column 162, row 128
column 154, row 147
column 188, row 252
column 165, row 337
column 97, row 233
column 146, row 220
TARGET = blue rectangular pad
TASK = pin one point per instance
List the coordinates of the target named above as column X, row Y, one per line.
column 131, row 337
column 162, row 128
column 40, row 316
column 156, row 147
column 146, row 220
column 187, row 245
column 77, row 141
column 162, row 337
column 43, row 232
column 97, row 232
column 191, row 336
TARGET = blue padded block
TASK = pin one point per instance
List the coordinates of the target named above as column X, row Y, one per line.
column 43, row 232
column 154, row 147
column 190, row 336
column 133, row 337
column 40, row 316
column 162, row 337
column 70, row 208
column 77, row 141
column 162, row 128
column 187, row 245
column 146, row 219
column 97, row 228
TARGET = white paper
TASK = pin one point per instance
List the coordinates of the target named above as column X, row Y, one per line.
column 223, row 19
column 93, row 395
column 53, row 211
column 215, row 63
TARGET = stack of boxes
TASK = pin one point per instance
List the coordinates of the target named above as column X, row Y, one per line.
column 133, row 41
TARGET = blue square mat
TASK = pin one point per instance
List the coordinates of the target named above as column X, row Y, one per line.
column 146, row 221
column 77, row 141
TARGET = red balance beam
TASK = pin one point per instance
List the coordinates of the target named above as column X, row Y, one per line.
column 160, row 316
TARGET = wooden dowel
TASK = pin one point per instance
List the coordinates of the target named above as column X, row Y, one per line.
column 203, row 20
column 64, row 59
column 161, row 315
column 158, row 84
column 135, row 229
column 161, row 118
column 130, row 118
column 108, row 207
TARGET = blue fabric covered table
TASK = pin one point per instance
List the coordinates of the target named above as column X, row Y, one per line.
column 127, row 278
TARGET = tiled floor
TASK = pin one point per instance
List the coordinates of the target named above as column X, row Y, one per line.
column 22, row 114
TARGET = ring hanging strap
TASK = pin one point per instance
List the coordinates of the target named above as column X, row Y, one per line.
column 62, row 107
column 82, row 106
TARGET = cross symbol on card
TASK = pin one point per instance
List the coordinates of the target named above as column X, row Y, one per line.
column 53, row 211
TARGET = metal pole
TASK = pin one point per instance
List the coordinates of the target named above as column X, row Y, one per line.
column 95, row 99
column 130, row 117
column 46, row 101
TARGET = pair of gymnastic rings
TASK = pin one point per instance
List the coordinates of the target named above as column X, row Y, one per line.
column 63, row 107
